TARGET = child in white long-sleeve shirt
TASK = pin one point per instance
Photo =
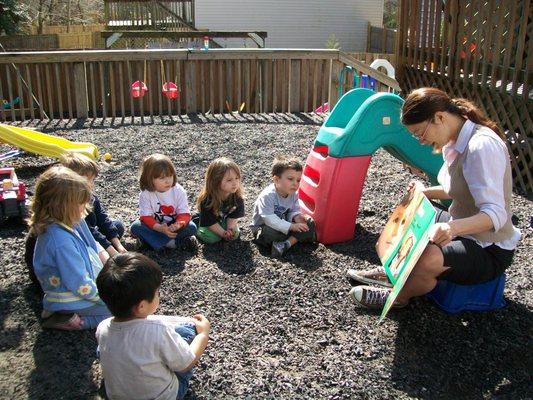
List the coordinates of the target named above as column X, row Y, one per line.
column 277, row 220
column 164, row 214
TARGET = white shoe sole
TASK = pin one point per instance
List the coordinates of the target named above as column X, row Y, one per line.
column 370, row 282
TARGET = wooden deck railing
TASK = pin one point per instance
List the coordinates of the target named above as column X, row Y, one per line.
column 149, row 14
column 96, row 84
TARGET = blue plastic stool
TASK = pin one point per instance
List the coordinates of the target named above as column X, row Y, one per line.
column 454, row 298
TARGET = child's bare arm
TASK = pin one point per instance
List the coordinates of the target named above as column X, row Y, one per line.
column 216, row 228
column 111, row 250
column 232, row 223
column 104, row 256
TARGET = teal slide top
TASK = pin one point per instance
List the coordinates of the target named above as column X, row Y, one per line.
column 364, row 121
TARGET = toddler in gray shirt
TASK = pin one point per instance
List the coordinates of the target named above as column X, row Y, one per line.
column 277, row 220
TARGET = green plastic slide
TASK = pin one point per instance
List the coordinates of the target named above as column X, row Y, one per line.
column 364, row 121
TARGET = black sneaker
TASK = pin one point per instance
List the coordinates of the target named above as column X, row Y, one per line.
column 140, row 245
column 189, row 244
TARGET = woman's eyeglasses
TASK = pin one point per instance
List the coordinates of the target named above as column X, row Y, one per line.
column 423, row 135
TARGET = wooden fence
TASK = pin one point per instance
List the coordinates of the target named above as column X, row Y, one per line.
column 51, row 29
column 81, row 84
column 34, row 42
column 477, row 49
column 82, row 40
column 369, row 57
column 380, row 40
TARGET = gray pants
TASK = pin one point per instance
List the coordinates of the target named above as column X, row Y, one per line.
column 266, row 235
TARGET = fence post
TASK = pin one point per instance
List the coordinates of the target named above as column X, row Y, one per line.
column 80, row 90
column 368, row 37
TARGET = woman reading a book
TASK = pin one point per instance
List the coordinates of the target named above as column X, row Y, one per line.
column 474, row 241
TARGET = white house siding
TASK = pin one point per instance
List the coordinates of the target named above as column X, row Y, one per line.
column 293, row 23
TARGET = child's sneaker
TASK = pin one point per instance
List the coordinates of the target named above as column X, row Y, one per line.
column 140, row 245
column 372, row 297
column 279, row 248
column 374, row 276
column 189, row 244
column 66, row 322
column 171, row 244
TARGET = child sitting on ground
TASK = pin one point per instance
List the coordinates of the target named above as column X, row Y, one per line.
column 165, row 217
column 220, row 202
column 67, row 259
column 144, row 356
column 106, row 231
column 277, row 221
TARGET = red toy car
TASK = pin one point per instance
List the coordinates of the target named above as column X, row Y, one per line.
column 13, row 196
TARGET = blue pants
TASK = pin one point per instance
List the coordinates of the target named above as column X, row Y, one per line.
column 119, row 226
column 187, row 332
column 158, row 240
column 92, row 316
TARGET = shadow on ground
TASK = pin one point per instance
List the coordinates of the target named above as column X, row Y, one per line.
column 235, row 257
column 474, row 355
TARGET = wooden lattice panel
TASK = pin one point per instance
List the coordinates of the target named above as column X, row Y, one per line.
column 481, row 50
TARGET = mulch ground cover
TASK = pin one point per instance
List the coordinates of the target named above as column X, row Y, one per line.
column 280, row 328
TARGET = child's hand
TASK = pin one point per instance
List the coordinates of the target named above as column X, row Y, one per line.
column 228, row 234
column 117, row 246
column 164, row 228
column 176, row 226
column 301, row 218
column 202, row 324
column 299, row 227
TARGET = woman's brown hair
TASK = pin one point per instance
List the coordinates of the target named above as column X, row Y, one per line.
column 422, row 104
column 156, row 166
column 213, row 178
column 58, row 194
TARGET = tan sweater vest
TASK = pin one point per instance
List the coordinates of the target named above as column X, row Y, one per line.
column 463, row 204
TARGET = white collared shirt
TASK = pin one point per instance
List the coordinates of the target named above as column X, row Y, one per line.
column 484, row 170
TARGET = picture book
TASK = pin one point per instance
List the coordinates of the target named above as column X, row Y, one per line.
column 403, row 240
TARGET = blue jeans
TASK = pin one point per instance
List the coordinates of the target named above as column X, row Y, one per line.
column 92, row 316
column 187, row 332
column 158, row 240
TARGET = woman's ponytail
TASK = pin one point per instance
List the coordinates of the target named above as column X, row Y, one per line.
column 468, row 109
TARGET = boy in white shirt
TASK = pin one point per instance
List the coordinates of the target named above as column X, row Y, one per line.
column 144, row 356
column 277, row 220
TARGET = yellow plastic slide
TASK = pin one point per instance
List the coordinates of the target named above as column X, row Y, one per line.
column 42, row 144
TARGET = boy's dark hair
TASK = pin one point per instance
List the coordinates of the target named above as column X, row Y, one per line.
column 126, row 280
column 282, row 164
